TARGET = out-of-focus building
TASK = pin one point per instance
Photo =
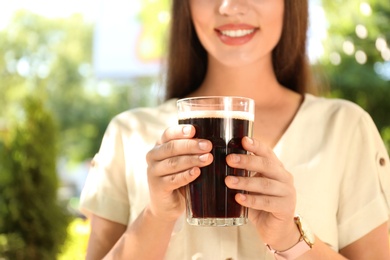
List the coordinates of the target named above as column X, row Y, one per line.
column 119, row 42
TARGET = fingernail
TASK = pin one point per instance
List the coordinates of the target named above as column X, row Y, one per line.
column 250, row 140
column 235, row 158
column 242, row 196
column 204, row 157
column 186, row 130
column 192, row 172
column 203, row 145
column 233, row 179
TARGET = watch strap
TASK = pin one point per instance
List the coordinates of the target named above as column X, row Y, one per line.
column 292, row 253
column 305, row 243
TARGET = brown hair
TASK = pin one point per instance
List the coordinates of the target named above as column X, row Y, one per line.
column 187, row 59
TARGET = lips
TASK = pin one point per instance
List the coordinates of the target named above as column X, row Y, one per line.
column 236, row 34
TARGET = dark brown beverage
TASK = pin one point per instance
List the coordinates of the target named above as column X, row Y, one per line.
column 209, row 196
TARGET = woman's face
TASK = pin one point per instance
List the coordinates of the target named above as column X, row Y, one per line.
column 238, row 32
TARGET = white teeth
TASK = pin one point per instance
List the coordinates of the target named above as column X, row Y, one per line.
column 237, row 33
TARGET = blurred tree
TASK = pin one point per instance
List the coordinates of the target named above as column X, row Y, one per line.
column 51, row 60
column 32, row 223
column 357, row 56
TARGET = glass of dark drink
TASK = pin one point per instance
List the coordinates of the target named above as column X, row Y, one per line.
column 224, row 121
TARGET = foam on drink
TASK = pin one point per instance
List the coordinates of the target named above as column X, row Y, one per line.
column 182, row 115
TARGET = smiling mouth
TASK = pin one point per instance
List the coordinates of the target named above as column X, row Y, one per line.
column 237, row 33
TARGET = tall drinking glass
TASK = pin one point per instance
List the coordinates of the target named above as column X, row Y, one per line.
column 224, row 121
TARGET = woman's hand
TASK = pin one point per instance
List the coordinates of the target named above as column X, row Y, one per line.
column 173, row 163
column 272, row 197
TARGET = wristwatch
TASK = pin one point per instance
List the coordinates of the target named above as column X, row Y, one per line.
column 305, row 243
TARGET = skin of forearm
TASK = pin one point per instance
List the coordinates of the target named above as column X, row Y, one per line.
column 321, row 251
column 147, row 238
column 104, row 235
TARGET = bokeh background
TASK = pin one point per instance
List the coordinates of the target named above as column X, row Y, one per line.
column 67, row 67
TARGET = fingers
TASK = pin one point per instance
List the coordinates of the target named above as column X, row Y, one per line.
column 261, row 160
column 178, row 180
column 175, row 148
column 260, row 149
column 177, row 132
column 182, row 163
column 265, row 203
column 176, row 158
column 174, row 162
column 259, row 185
column 176, row 141
column 264, row 193
column 271, row 188
column 177, row 172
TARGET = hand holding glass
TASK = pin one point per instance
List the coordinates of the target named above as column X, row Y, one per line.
column 224, row 121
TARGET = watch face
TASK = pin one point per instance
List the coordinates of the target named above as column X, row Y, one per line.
column 308, row 236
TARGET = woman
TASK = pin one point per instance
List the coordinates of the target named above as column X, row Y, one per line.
column 320, row 158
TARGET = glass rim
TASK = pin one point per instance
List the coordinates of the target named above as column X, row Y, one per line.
column 214, row 97
column 216, row 107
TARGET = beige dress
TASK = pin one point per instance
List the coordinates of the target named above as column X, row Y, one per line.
column 340, row 166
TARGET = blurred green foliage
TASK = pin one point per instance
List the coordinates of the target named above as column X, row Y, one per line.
column 32, row 222
column 357, row 56
column 47, row 63
column 52, row 58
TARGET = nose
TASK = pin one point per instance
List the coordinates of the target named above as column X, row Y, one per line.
column 233, row 7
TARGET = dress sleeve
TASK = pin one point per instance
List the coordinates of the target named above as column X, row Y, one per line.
column 105, row 190
column 365, row 188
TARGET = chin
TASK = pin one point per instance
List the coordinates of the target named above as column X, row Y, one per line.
column 236, row 63
column 241, row 60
